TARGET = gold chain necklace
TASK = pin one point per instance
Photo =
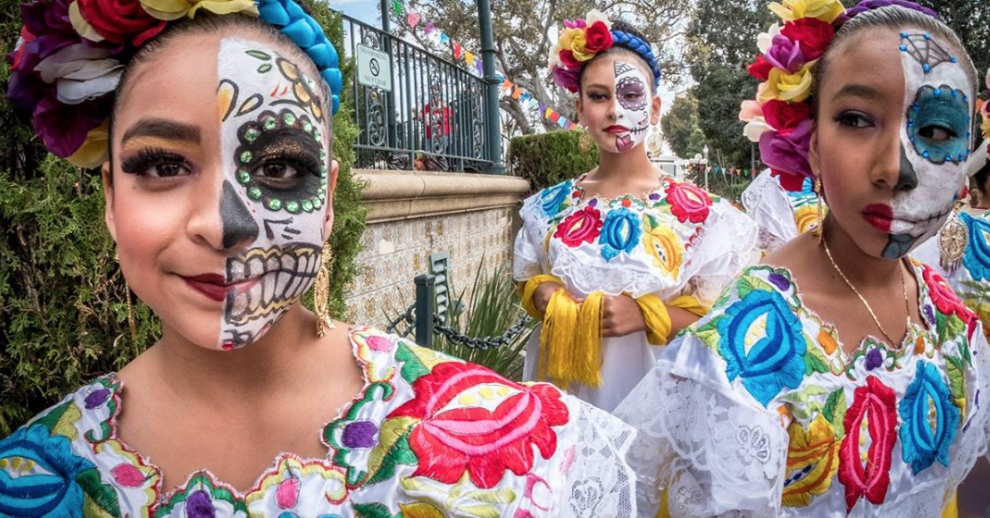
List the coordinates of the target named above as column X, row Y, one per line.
column 907, row 304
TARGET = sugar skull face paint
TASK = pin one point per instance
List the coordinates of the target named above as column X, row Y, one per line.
column 616, row 104
column 274, row 188
column 935, row 141
column 632, row 110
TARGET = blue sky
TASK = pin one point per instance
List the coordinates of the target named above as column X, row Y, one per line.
column 361, row 10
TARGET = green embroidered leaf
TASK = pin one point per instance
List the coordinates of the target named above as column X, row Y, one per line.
column 955, row 326
column 805, row 402
column 264, row 68
column 102, row 495
column 835, row 411
column 815, row 362
column 375, row 510
column 744, row 287
column 957, row 380
column 50, row 419
column 412, row 367
column 392, row 449
column 708, row 333
column 259, row 55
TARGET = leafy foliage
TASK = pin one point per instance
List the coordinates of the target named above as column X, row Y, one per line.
column 63, row 302
column 680, row 127
column 550, row 158
column 969, row 20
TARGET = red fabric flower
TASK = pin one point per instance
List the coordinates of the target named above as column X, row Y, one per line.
column 876, row 403
column 688, row 202
column 789, row 181
column 812, row 34
column 944, row 298
column 484, row 443
column 597, row 37
column 567, row 58
column 760, row 68
column 785, row 116
column 120, row 21
column 582, row 226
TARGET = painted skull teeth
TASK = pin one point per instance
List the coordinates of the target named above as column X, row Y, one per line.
column 282, row 276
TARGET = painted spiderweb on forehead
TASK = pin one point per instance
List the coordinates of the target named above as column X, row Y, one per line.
column 622, row 67
column 925, row 50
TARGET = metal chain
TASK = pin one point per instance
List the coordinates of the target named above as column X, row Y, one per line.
column 407, row 318
column 458, row 338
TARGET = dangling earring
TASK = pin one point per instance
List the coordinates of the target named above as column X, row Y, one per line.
column 953, row 239
column 585, row 141
column 821, row 207
column 130, row 306
column 321, row 294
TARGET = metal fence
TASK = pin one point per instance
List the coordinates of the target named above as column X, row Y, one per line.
column 427, row 114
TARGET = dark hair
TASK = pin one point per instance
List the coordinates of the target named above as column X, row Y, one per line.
column 979, row 179
column 206, row 23
column 620, row 26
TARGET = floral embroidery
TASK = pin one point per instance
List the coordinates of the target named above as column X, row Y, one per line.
column 812, row 461
column 873, row 411
column 977, row 256
column 762, row 343
column 556, row 198
column 357, row 433
column 286, row 479
column 582, row 226
column 201, row 497
column 688, row 202
column 929, row 419
column 461, row 499
column 953, row 317
column 448, row 442
column 620, row 233
column 663, row 244
column 41, row 476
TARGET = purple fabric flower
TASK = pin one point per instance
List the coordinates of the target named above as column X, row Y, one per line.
column 788, row 154
column 97, row 398
column 49, row 21
column 869, row 5
column 25, row 91
column 359, row 434
column 576, row 24
column 567, row 79
column 779, row 281
column 63, row 127
column 199, row 505
column 785, row 54
column 873, row 359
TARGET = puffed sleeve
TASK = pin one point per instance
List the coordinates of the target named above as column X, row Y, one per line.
column 727, row 245
column 767, row 204
column 529, row 256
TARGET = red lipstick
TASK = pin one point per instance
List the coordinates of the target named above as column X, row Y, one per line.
column 215, row 286
column 615, row 128
column 880, row 215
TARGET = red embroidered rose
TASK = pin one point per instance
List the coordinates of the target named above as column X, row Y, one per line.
column 812, row 34
column 688, row 202
column 120, row 21
column 760, row 68
column 785, row 116
column 473, row 439
column 944, row 298
column 567, row 58
column 582, row 226
column 877, row 404
column 597, row 37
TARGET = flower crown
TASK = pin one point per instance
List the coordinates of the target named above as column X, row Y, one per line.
column 978, row 160
column 71, row 53
column 780, row 118
column 582, row 40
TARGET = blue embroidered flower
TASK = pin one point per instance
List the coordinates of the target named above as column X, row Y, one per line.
column 552, row 198
column 40, row 476
column 928, row 419
column 762, row 342
column 620, row 233
column 977, row 256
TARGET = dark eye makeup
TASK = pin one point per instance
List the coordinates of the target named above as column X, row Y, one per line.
column 155, row 162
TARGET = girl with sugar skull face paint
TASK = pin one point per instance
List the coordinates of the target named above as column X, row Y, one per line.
column 219, row 196
column 838, row 377
column 618, row 260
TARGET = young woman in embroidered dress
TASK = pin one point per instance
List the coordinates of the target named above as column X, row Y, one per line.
column 838, row 377
column 621, row 258
column 219, row 188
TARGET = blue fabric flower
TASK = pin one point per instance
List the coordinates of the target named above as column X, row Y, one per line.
column 977, row 256
column 51, row 490
column 927, row 404
column 620, row 233
column 775, row 360
column 552, row 198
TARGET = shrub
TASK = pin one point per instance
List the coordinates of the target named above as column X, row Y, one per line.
column 63, row 304
column 549, row 158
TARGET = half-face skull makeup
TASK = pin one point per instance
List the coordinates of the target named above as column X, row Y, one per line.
column 275, row 184
column 935, row 140
column 632, row 107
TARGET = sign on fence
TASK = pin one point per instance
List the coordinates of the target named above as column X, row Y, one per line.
column 373, row 68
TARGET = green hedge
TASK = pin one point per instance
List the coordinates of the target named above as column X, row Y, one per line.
column 549, row 158
column 63, row 311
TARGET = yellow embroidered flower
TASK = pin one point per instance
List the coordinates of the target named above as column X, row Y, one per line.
column 664, row 246
column 824, row 10
column 175, row 9
column 782, row 86
column 812, row 461
column 806, row 218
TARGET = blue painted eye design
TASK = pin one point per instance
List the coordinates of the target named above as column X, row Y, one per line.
column 938, row 124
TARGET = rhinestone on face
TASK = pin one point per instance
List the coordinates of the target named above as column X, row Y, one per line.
column 243, row 176
column 270, row 123
column 292, row 206
column 274, row 204
column 307, row 206
column 289, row 118
column 246, row 157
column 254, row 193
column 251, row 134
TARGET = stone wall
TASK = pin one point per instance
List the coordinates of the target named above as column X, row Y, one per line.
column 413, row 214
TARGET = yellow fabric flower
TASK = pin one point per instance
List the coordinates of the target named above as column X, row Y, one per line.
column 574, row 41
column 985, row 127
column 782, row 86
column 175, row 9
column 95, row 149
column 824, row 10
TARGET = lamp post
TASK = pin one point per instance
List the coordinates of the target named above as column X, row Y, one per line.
column 494, row 136
column 705, row 152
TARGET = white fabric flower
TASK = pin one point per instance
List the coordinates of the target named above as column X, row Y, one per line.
column 755, row 128
column 765, row 39
column 595, row 15
column 80, row 72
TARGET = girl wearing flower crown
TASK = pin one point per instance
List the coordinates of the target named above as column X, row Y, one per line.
column 619, row 259
column 219, row 189
column 838, row 377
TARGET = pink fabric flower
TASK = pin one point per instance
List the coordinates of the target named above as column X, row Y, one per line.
column 785, row 54
column 788, row 153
